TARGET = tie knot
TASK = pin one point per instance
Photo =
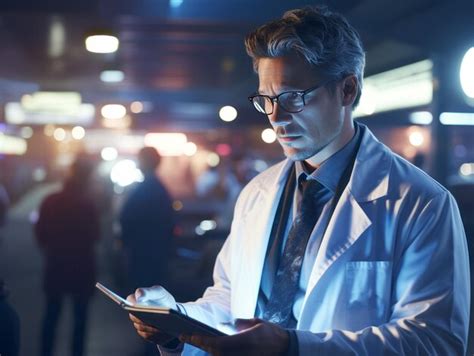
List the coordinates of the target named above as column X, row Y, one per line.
column 311, row 187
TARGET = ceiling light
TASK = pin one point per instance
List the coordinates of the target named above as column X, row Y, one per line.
column 403, row 87
column 466, row 73
column 102, row 44
column 112, row 76
column 78, row 132
column 457, row 118
column 213, row 159
column 59, row 134
column 136, row 107
column 125, row 172
column 421, row 117
column 416, row 138
column 167, row 144
column 109, row 153
column 113, row 111
column 268, row 136
column 26, row 132
column 466, row 169
column 227, row 113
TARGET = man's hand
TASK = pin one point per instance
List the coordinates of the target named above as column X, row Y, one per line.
column 157, row 296
column 257, row 338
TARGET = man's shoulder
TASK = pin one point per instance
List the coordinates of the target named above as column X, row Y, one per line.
column 269, row 176
column 264, row 181
column 399, row 175
column 405, row 176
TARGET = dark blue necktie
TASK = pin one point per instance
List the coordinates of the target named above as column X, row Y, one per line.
column 286, row 283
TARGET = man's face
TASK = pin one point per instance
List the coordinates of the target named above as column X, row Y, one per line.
column 316, row 128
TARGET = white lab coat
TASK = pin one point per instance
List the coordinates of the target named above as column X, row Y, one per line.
column 391, row 276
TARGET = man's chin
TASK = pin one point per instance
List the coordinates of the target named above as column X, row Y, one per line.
column 296, row 155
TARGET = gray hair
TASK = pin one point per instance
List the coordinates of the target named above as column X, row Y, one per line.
column 323, row 38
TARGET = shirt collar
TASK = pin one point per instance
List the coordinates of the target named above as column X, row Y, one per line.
column 330, row 171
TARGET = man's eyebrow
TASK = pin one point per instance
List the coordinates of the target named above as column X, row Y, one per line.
column 283, row 88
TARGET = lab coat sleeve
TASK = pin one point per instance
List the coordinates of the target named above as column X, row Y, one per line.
column 214, row 306
column 430, row 293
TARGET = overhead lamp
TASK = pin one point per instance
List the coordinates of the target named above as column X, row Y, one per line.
column 112, row 76
column 228, row 113
column 416, row 138
column 421, row 118
column 59, row 134
column 213, row 159
column 102, row 43
column 57, row 38
column 268, row 136
column 136, row 107
column 466, row 73
column 167, row 144
column 113, row 111
column 78, row 132
column 12, row 145
column 26, row 132
column 403, row 87
column 125, row 172
column 457, row 118
column 109, row 153
column 466, row 169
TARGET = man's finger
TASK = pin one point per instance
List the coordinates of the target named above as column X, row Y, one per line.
column 140, row 325
column 146, row 328
column 243, row 324
column 139, row 292
column 131, row 298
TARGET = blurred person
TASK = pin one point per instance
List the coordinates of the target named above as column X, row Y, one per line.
column 4, row 204
column 9, row 326
column 208, row 182
column 344, row 248
column 67, row 231
column 147, row 221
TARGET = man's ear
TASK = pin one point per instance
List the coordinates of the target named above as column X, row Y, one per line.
column 349, row 90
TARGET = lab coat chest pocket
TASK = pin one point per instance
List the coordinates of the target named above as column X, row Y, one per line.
column 367, row 293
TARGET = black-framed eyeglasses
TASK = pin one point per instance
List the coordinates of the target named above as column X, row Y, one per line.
column 291, row 101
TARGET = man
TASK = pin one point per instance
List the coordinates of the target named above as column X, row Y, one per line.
column 384, row 269
column 147, row 222
column 67, row 231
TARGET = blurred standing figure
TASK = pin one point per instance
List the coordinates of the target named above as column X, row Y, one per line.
column 4, row 203
column 147, row 222
column 67, row 230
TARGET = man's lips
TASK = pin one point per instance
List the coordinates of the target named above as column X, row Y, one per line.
column 288, row 138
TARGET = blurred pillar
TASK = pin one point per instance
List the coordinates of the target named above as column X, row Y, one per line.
column 440, row 133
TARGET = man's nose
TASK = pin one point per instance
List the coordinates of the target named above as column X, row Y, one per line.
column 279, row 117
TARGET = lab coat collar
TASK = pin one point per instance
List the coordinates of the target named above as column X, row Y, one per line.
column 369, row 178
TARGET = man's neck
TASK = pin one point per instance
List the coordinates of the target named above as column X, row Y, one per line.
column 334, row 146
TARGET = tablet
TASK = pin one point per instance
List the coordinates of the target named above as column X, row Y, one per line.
column 168, row 320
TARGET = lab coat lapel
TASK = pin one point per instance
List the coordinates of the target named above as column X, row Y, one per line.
column 258, row 226
column 369, row 181
column 345, row 226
